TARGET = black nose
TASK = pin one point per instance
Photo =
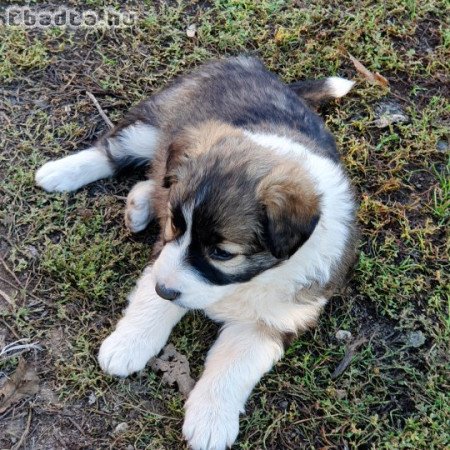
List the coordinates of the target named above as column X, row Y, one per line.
column 164, row 292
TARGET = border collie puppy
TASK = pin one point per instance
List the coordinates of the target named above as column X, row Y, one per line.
column 257, row 224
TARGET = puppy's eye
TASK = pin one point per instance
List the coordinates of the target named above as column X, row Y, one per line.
column 218, row 254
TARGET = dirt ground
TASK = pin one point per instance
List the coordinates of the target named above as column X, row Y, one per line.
column 67, row 261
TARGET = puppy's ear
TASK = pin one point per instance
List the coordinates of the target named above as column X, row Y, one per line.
column 291, row 209
column 177, row 152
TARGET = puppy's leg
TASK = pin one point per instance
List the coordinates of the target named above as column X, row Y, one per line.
column 127, row 144
column 242, row 354
column 139, row 210
column 142, row 332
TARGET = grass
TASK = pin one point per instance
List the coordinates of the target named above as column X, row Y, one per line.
column 75, row 262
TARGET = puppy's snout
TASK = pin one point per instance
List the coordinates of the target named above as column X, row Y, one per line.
column 166, row 293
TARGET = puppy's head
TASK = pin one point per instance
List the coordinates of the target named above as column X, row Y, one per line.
column 234, row 211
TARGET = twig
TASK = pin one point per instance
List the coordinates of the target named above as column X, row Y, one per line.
column 72, row 421
column 100, row 109
column 18, row 348
column 9, row 270
column 25, row 432
column 20, row 287
column 10, row 329
column 9, row 282
column 120, row 197
column 347, row 359
column 7, row 298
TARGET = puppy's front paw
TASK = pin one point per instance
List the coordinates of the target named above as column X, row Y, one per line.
column 139, row 211
column 122, row 354
column 210, row 424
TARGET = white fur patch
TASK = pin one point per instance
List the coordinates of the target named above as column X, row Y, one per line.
column 339, row 86
column 142, row 332
column 235, row 363
column 138, row 140
column 139, row 210
column 74, row 171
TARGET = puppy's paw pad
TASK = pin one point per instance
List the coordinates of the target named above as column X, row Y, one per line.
column 121, row 355
column 210, row 426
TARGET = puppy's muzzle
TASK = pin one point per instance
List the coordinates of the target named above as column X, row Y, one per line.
column 166, row 293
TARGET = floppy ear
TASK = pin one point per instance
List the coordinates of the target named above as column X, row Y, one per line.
column 291, row 209
column 177, row 152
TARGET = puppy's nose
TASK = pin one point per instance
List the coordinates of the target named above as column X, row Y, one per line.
column 166, row 293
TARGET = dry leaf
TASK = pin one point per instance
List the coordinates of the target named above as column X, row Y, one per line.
column 367, row 74
column 23, row 383
column 175, row 368
column 191, row 30
column 379, row 79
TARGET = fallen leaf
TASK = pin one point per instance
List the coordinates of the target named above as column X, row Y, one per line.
column 191, row 30
column 175, row 368
column 379, row 79
column 23, row 383
column 376, row 77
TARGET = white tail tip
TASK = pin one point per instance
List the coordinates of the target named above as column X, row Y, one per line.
column 339, row 86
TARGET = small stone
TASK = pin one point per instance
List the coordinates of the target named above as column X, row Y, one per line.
column 343, row 335
column 191, row 30
column 92, row 398
column 442, row 146
column 284, row 405
column 341, row 394
column 388, row 113
column 121, row 427
column 415, row 339
column 33, row 251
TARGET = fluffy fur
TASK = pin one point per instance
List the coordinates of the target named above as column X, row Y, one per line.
column 257, row 220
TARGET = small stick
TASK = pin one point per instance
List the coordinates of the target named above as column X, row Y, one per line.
column 347, row 359
column 72, row 421
column 7, row 298
column 100, row 109
column 17, row 348
column 10, row 271
column 10, row 329
column 25, row 433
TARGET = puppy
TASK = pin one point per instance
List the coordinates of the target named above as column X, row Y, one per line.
column 257, row 220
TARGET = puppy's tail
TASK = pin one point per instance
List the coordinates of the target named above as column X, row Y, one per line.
column 325, row 89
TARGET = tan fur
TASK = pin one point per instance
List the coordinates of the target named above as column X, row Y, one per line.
column 198, row 140
column 289, row 189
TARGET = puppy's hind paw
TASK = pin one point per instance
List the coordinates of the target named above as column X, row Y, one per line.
column 74, row 171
